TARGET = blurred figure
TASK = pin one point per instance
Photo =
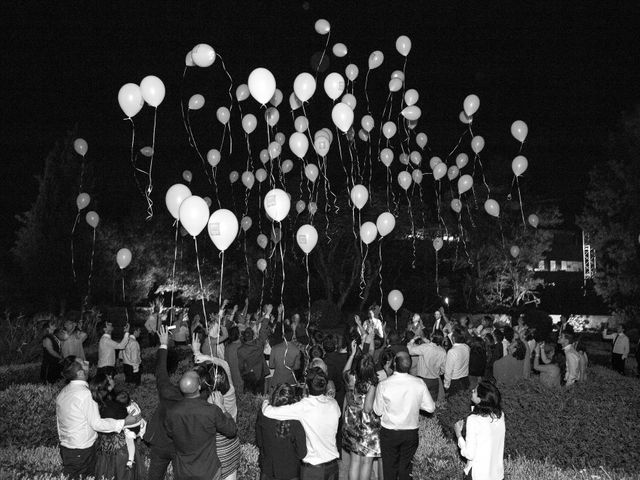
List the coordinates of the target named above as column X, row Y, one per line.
column 619, row 347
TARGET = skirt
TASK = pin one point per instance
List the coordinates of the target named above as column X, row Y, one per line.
column 228, row 450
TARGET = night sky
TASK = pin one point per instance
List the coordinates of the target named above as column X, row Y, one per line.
column 569, row 69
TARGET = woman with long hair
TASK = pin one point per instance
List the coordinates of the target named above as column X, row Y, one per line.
column 361, row 429
column 282, row 444
column 483, row 444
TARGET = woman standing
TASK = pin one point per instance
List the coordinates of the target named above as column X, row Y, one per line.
column 282, row 444
column 483, row 444
column 361, row 429
column 112, row 455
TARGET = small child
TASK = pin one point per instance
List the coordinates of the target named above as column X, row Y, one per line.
column 131, row 431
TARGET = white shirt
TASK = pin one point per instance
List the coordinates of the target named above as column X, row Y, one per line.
column 78, row 417
column 319, row 416
column 399, row 400
column 457, row 364
column 620, row 343
column 483, row 447
column 431, row 359
column 131, row 353
column 107, row 350
column 572, row 357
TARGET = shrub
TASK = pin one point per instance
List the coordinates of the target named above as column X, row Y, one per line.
column 43, row 463
column 16, row 374
column 28, row 415
column 583, row 426
column 248, row 406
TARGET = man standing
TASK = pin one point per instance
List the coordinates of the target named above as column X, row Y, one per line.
column 431, row 361
column 398, row 401
column 107, row 348
column 253, row 366
column 192, row 423
column 319, row 415
column 456, row 368
column 572, row 358
column 620, row 348
column 78, row 421
column 284, row 360
column 131, row 359
column 162, row 450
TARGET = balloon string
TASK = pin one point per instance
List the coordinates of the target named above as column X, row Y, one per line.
column 220, row 301
column 124, row 300
column 363, row 283
column 306, row 263
column 132, row 155
column 214, row 174
column 173, row 270
column 456, row 146
column 324, row 51
column 150, row 182
column 246, row 262
column 194, row 144
column 93, row 249
column 204, row 308
column 224, row 67
column 366, row 92
column 424, row 222
column 272, row 179
column 438, row 193
column 484, row 180
column 283, row 273
column 437, row 278
column 327, row 191
column 344, row 167
column 380, row 267
column 73, row 261
column 413, row 231
column 396, row 316
column 259, row 210
column 82, row 167
column 388, row 186
column 524, row 223
column 370, row 165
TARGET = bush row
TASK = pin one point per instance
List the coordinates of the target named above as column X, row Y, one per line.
column 436, row 459
column 589, row 425
column 43, row 463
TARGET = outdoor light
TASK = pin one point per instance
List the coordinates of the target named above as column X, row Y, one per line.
column 446, row 301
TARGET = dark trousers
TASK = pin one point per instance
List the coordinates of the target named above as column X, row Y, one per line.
column 130, row 376
column 397, row 450
column 324, row 471
column 617, row 362
column 458, row 385
column 433, row 385
column 78, row 462
column 160, row 459
column 109, row 370
column 253, row 384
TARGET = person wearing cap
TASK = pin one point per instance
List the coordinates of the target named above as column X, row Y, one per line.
column 192, row 424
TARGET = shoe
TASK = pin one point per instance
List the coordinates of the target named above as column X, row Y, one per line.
column 130, row 464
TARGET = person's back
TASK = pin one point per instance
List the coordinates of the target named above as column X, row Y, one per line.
column 284, row 359
column 192, row 424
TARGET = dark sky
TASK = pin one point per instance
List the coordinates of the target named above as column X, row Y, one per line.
column 566, row 68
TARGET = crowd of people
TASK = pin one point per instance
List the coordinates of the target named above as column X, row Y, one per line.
column 359, row 392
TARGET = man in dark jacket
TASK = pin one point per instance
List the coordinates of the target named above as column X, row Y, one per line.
column 192, row 423
column 251, row 361
column 162, row 449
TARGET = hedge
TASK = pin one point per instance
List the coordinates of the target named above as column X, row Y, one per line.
column 589, row 425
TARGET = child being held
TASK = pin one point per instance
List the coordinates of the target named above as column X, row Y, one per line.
column 131, row 431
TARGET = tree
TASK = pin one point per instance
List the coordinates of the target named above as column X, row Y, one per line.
column 612, row 219
column 42, row 248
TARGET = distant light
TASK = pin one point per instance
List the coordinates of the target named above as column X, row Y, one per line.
column 446, row 301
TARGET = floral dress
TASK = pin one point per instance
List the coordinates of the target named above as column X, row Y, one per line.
column 361, row 431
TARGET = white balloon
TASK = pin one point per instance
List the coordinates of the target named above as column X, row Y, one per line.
column 359, row 196
column 262, row 85
column 334, row 85
column 342, row 116
column 277, row 204
column 222, row 228
column 307, row 238
column 153, row 90
column 174, row 197
column 194, row 215
column 203, row 55
column 304, row 86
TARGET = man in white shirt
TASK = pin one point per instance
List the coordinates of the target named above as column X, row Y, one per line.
column 319, row 416
column 78, row 421
column 107, row 349
column 398, row 402
column 131, row 359
column 572, row 374
column 619, row 348
column 456, row 367
column 431, row 360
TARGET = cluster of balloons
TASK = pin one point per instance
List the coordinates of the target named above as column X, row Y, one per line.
column 132, row 97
